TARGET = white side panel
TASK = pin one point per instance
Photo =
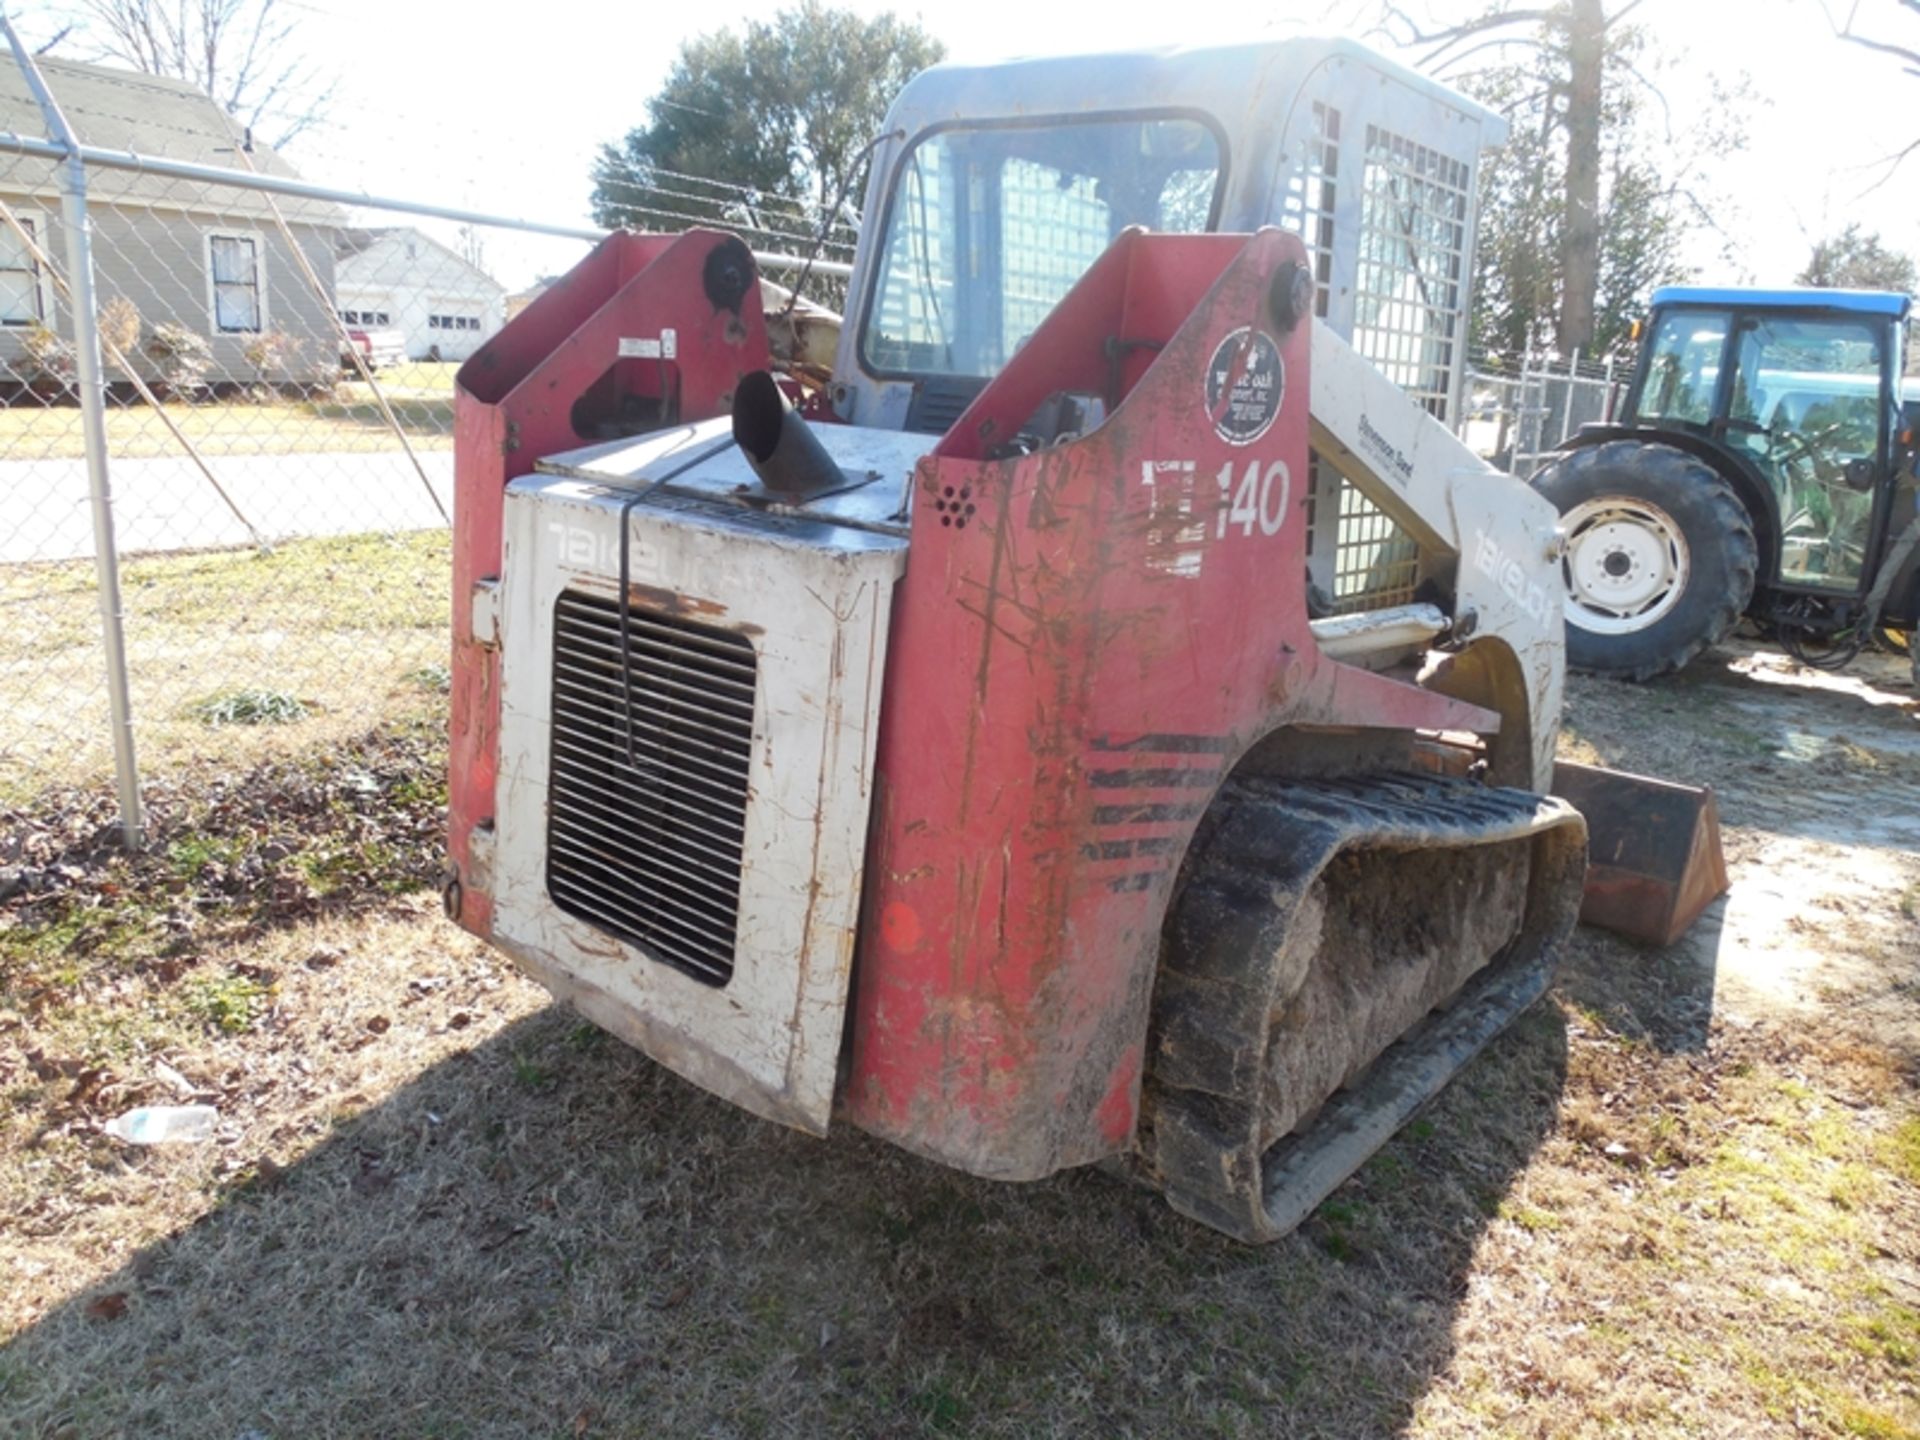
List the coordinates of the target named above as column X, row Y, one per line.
column 815, row 604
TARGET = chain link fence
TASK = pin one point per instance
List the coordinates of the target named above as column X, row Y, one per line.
column 277, row 363
column 1515, row 413
column 821, row 237
column 277, row 373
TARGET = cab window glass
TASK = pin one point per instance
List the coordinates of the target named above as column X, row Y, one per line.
column 988, row 229
column 1806, row 409
column 1683, row 367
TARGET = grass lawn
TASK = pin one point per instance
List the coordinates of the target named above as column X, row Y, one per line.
column 347, row 421
column 1679, row 1198
column 351, row 629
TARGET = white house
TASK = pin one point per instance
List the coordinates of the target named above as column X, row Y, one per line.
column 401, row 279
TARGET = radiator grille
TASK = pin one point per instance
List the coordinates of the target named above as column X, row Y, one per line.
column 650, row 851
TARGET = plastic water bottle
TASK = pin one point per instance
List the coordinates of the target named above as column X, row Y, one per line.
column 161, row 1124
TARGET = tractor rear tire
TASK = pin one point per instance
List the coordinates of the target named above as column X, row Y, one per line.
column 1660, row 558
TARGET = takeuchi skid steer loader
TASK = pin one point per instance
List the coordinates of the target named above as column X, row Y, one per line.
column 954, row 748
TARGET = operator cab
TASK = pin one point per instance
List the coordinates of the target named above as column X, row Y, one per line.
column 1799, row 388
column 1021, row 212
column 998, row 186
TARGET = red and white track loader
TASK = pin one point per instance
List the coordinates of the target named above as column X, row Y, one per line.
column 1111, row 718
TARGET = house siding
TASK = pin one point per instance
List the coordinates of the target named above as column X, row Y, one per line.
column 158, row 259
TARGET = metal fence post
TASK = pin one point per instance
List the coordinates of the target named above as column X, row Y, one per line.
column 1566, row 410
column 1526, row 437
column 93, row 408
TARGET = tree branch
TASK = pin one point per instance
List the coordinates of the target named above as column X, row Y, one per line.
column 1883, row 47
column 1480, row 27
column 1845, row 31
column 1892, row 162
column 1666, row 109
column 1512, row 108
column 231, row 49
column 1910, row 63
column 1447, row 37
column 1448, row 67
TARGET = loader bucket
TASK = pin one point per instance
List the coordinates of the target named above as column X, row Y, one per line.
column 1653, row 851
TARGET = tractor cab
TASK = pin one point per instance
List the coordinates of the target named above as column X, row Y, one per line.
column 1799, row 389
column 1762, row 465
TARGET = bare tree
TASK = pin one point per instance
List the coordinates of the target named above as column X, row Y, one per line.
column 473, row 246
column 1576, row 36
column 244, row 53
column 1905, row 51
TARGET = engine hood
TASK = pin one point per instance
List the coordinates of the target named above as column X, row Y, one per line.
column 701, row 461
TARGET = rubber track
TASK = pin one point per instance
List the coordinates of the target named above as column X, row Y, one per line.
column 1264, row 844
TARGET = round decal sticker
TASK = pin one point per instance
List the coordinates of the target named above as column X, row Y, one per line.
column 1243, row 410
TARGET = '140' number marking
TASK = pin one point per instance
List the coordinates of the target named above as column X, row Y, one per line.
column 1260, row 499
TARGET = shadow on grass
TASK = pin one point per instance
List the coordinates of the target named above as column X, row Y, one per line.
column 1661, row 995
column 549, row 1235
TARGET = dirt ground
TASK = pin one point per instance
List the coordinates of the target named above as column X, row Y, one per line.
column 1818, row 780
column 1681, row 1197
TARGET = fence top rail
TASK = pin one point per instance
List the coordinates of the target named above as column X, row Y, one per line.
column 285, row 185
column 1489, row 365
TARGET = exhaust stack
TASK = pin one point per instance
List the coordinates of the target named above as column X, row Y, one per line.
column 783, row 451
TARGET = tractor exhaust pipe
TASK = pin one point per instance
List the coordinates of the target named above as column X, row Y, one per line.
column 783, row 451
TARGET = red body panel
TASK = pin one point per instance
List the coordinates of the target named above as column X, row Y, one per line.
column 514, row 403
column 1085, row 642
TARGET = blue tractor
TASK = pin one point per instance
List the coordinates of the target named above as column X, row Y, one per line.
column 1763, row 465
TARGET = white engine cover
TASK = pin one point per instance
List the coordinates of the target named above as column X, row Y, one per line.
column 812, row 601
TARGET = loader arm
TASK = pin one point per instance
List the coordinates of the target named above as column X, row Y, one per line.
column 1494, row 545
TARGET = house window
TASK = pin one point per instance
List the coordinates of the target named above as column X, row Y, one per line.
column 453, row 322
column 19, row 277
column 233, row 276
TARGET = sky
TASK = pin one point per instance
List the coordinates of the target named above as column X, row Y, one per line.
column 504, row 113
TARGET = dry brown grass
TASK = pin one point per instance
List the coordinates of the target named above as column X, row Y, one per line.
column 438, row 1206
column 345, row 421
column 354, row 627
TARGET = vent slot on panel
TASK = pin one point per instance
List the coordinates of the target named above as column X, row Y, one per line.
column 939, row 400
column 650, row 850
